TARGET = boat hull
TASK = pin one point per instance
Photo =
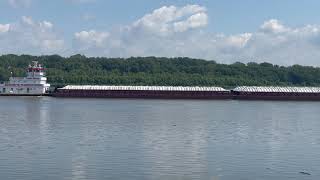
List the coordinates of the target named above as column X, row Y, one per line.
column 276, row 96
column 186, row 95
column 144, row 94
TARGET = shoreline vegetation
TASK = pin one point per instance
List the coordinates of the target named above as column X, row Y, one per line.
column 159, row 71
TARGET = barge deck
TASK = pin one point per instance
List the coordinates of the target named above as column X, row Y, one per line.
column 154, row 92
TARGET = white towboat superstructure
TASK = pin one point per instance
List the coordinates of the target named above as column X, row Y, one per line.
column 34, row 84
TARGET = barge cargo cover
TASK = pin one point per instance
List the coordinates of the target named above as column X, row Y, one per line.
column 276, row 93
column 162, row 92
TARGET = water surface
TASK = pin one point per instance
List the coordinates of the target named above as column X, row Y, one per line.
column 49, row 138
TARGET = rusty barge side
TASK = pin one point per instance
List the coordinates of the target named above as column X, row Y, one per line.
column 155, row 92
column 187, row 95
column 277, row 96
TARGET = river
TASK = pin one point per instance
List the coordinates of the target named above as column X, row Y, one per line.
column 53, row 138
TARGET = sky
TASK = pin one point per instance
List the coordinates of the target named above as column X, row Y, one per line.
column 283, row 32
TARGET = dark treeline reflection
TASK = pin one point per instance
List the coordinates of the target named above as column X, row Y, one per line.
column 79, row 69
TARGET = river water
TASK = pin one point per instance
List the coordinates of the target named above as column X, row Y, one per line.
column 52, row 138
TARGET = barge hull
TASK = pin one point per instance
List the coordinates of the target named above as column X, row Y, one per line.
column 144, row 94
column 180, row 95
column 277, row 96
column 223, row 95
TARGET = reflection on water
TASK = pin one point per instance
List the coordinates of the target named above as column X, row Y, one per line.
column 48, row 138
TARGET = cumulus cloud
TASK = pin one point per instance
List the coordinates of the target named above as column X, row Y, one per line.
column 159, row 33
column 20, row 3
column 273, row 26
column 195, row 21
column 29, row 36
column 27, row 20
column 180, row 31
column 4, row 28
column 286, row 45
column 46, row 25
column 240, row 40
column 91, row 37
column 170, row 19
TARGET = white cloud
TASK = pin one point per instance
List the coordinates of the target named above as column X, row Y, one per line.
column 195, row 21
column 159, row 33
column 46, row 25
column 52, row 44
column 27, row 20
column 20, row 3
column 239, row 41
column 169, row 19
column 92, row 36
column 4, row 28
column 286, row 45
column 30, row 37
column 92, row 42
column 171, row 31
column 274, row 26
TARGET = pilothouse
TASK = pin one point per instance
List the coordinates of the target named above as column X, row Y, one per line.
column 34, row 84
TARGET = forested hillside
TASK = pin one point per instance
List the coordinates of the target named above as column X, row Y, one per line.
column 79, row 69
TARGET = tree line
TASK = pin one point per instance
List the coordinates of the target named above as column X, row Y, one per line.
column 161, row 71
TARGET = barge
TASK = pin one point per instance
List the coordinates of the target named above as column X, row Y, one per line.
column 160, row 92
column 34, row 84
column 170, row 92
column 276, row 93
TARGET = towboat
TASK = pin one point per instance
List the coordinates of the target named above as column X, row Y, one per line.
column 34, row 84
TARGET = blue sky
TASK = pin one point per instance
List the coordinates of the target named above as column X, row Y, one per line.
column 278, row 31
